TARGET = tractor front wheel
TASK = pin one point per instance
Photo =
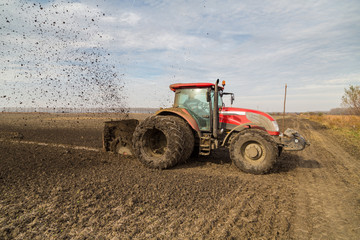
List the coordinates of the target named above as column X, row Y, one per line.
column 253, row 151
column 158, row 142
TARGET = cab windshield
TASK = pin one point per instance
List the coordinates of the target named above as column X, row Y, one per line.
column 195, row 102
column 184, row 96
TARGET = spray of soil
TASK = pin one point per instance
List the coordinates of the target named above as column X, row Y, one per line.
column 53, row 55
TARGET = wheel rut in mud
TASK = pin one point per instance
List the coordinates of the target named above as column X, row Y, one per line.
column 328, row 195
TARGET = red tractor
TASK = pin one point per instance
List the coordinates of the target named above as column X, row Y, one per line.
column 198, row 123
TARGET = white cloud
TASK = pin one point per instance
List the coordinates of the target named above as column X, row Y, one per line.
column 256, row 46
column 130, row 18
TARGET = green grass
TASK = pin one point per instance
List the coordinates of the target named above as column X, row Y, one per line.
column 346, row 125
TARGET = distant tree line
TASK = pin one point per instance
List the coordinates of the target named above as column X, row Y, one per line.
column 340, row 111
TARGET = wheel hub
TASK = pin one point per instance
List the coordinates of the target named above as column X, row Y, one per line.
column 253, row 151
column 155, row 142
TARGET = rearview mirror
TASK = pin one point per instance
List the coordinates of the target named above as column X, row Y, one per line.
column 232, row 98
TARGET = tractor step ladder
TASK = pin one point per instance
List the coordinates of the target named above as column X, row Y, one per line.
column 205, row 145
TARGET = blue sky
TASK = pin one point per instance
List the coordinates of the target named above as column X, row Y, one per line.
column 256, row 46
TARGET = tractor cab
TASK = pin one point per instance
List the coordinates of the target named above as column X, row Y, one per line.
column 198, row 100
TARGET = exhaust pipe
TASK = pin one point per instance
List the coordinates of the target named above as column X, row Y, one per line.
column 216, row 110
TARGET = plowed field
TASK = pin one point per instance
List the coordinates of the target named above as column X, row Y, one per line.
column 55, row 183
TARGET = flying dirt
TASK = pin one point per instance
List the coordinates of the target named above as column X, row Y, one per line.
column 53, row 56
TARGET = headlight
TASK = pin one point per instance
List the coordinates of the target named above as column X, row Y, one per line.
column 263, row 121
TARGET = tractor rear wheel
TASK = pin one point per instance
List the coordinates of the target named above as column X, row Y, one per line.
column 158, row 142
column 188, row 137
column 253, row 151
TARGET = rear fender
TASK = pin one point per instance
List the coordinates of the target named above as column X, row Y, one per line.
column 182, row 113
column 239, row 129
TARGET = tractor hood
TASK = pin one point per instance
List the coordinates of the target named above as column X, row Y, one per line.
column 232, row 117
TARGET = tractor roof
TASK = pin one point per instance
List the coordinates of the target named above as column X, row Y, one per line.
column 175, row 86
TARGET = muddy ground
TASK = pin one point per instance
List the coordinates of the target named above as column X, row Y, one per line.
column 55, row 183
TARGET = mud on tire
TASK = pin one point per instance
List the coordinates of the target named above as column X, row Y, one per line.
column 253, row 151
column 158, row 142
column 188, row 137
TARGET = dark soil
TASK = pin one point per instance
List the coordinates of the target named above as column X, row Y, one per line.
column 52, row 192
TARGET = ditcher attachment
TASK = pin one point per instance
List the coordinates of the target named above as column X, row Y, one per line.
column 293, row 141
column 117, row 136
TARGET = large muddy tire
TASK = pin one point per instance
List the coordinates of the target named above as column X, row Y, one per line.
column 253, row 151
column 188, row 137
column 158, row 142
